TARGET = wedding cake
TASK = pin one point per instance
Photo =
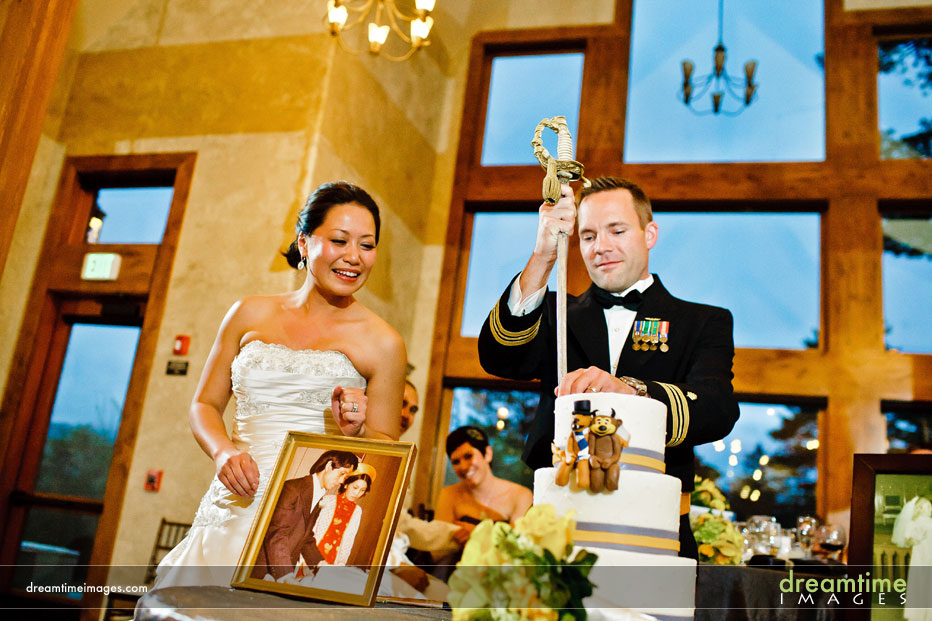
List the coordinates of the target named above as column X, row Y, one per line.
column 634, row 529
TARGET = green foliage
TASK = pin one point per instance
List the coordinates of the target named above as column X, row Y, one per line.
column 75, row 462
column 897, row 56
column 787, row 488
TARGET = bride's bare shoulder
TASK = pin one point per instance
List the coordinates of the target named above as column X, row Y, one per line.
column 252, row 313
column 382, row 334
column 259, row 306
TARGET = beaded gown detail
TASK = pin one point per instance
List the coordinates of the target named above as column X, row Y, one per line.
column 277, row 390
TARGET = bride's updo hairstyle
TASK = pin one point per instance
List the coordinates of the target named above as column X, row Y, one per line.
column 319, row 204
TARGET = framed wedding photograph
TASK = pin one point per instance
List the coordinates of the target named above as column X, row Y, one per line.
column 324, row 528
column 891, row 533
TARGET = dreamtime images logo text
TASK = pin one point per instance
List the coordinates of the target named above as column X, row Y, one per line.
column 850, row 590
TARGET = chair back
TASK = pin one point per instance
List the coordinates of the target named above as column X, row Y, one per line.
column 169, row 535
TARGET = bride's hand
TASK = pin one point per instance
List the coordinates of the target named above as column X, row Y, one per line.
column 349, row 410
column 238, row 472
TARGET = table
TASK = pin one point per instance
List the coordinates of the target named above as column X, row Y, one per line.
column 227, row 604
column 732, row 593
column 738, row 592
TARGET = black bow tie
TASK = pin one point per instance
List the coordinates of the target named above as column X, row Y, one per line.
column 632, row 300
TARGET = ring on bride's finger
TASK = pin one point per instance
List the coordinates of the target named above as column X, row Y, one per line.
column 355, row 407
column 593, row 389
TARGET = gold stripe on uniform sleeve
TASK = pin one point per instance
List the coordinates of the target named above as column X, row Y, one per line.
column 507, row 337
column 679, row 411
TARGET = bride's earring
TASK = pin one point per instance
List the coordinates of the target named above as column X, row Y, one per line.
column 302, row 263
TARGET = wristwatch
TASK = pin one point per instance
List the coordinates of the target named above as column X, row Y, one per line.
column 636, row 384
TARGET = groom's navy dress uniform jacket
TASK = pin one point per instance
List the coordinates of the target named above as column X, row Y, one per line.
column 693, row 378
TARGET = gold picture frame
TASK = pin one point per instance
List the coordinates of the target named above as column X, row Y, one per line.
column 309, row 538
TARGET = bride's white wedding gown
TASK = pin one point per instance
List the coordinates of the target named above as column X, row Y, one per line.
column 277, row 390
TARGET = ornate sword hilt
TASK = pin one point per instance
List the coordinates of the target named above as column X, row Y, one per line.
column 564, row 168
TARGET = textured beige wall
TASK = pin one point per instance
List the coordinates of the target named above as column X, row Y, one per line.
column 273, row 108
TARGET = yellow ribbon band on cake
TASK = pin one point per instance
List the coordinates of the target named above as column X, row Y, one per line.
column 507, row 337
column 643, row 541
column 641, row 460
column 679, row 411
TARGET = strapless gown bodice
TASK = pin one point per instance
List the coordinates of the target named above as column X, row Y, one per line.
column 277, row 390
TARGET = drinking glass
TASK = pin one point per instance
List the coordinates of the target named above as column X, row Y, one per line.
column 806, row 526
column 830, row 540
column 764, row 533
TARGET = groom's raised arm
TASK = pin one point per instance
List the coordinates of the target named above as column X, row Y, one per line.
column 513, row 341
column 512, row 345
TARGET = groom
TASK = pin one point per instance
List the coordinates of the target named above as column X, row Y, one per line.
column 290, row 534
column 626, row 334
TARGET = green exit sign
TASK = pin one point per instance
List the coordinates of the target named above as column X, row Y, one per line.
column 100, row 266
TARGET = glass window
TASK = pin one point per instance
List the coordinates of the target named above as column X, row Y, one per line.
column 786, row 118
column 907, row 283
column 129, row 215
column 501, row 246
column 87, row 410
column 908, row 428
column 521, row 93
column 904, row 83
column 767, row 464
column 50, row 555
column 506, row 417
column 763, row 267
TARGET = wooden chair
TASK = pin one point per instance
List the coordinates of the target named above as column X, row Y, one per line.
column 121, row 606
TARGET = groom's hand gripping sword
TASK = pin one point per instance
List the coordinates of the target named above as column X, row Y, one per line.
column 559, row 171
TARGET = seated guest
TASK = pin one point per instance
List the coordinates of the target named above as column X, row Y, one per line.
column 479, row 495
column 409, row 406
column 418, row 541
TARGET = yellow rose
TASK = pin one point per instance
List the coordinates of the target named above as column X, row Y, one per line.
column 480, row 549
column 540, row 523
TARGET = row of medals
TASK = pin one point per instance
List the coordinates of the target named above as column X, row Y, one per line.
column 646, row 338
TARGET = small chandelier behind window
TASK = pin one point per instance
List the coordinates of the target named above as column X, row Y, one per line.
column 723, row 86
column 382, row 16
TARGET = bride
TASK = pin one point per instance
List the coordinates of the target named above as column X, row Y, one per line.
column 313, row 360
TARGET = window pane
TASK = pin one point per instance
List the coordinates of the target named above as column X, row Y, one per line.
column 785, row 121
column 907, row 283
column 87, row 410
column 501, row 246
column 764, row 268
column 521, row 94
column 904, row 83
column 130, row 215
column 908, row 428
column 506, row 417
column 767, row 464
column 55, row 549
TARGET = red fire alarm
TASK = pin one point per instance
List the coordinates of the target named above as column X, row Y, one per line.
column 180, row 348
column 153, row 480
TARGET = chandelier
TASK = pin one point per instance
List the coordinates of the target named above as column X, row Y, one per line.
column 382, row 16
column 723, row 86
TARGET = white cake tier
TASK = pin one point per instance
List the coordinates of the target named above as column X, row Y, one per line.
column 662, row 586
column 645, row 419
column 646, row 504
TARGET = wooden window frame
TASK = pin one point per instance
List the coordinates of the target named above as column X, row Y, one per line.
column 144, row 278
column 851, row 371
